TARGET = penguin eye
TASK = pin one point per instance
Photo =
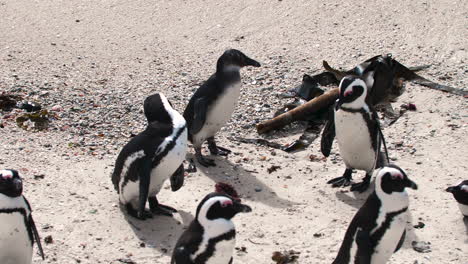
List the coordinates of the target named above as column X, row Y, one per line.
column 348, row 93
column 226, row 203
column 396, row 176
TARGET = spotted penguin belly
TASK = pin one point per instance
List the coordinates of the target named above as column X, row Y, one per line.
column 354, row 141
column 219, row 114
column 15, row 245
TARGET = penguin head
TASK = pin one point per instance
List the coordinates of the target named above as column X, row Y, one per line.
column 353, row 93
column 460, row 191
column 218, row 206
column 233, row 59
column 158, row 108
column 392, row 179
column 10, row 183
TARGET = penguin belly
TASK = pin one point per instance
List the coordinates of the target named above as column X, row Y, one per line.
column 15, row 244
column 463, row 209
column 354, row 141
column 389, row 241
column 169, row 164
column 219, row 113
column 223, row 252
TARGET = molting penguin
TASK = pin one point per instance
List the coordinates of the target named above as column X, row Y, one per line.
column 17, row 229
column 378, row 229
column 460, row 192
column 210, row 238
column 214, row 102
column 356, row 126
column 150, row 158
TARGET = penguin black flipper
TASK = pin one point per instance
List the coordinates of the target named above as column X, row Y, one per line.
column 363, row 241
column 33, row 230
column 328, row 134
column 181, row 256
column 187, row 244
column 177, row 178
column 199, row 115
column 145, row 179
column 402, row 240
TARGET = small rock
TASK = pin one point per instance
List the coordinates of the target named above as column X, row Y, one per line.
column 56, row 108
column 258, row 189
column 419, row 225
column 48, row 239
column 39, row 176
column 421, row 246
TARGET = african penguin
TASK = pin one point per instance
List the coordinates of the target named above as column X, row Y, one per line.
column 210, row 238
column 213, row 103
column 17, row 229
column 460, row 192
column 378, row 229
column 356, row 126
column 150, row 158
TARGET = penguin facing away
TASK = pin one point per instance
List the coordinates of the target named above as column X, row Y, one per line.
column 150, row 158
column 356, row 126
column 18, row 231
column 210, row 237
column 460, row 193
column 213, row 103
column 378, row 229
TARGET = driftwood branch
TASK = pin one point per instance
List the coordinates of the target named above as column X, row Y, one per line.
column 297, row 113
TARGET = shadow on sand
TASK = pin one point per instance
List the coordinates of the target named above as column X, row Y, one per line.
column 245, row 182
column 160, row 232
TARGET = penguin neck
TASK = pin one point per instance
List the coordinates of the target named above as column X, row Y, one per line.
column 8, row 202
column 215, row 227
column 394, row 201
column 228, row 72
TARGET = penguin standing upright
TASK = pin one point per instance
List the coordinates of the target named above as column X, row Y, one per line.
column 378, row 229
column 460, row 192
column 213, row 103
column 210, row 238
column 356, row 126
column 150, row 158
column 17, row 229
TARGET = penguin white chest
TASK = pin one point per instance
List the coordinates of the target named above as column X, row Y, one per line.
column 169, row 164
column 220, row 112
column 222, row 252
column 15, row 245
column 389, row 241
column 463, row 209
column 354, row 140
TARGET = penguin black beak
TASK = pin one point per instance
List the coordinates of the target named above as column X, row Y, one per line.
column 251, row 62
column 450, row 189
column 411, row 184
column 242, row 208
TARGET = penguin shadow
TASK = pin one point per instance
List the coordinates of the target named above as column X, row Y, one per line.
column 354, row 199
column 160, row 232
column 245, row 183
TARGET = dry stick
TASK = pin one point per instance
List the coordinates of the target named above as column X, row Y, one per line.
column 308, row 108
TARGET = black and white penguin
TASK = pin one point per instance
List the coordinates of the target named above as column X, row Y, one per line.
column 214, row 102
column 211, row 237
column 460, row 192
column 378, row 229
column 356, row 126
column 150, row 158
column 17, row 229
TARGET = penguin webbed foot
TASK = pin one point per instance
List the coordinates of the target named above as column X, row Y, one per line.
column 360, row 187
column 221, row 151
column 204, row 161
column 141, row 215
column 340, row 182
column 160, row 209
column 215, row 150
